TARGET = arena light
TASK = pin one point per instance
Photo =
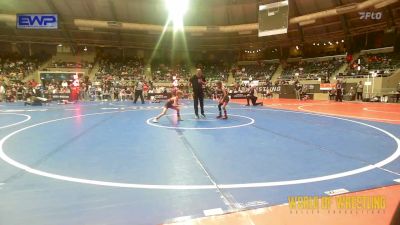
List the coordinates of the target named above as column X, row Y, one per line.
column 176, row 11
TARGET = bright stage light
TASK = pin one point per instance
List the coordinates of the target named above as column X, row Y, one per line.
column 177, row 10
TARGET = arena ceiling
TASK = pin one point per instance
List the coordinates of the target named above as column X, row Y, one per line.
column 211, row 13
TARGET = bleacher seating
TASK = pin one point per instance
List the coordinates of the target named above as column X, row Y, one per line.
column 262, row 71
column 311, row 69
column 382, row 63
column 16, row 67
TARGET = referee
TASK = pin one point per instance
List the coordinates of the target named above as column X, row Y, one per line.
column 139, row 91
column 197, row 81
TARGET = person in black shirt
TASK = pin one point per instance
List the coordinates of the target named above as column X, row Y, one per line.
column 339, row 91
column 197, row 82
column 297, row 89
column 139, row 91
column 251, row 96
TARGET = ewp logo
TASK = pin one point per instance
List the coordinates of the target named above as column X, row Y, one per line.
column 37, row 21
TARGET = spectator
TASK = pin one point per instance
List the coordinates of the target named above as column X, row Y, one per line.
column 297, row 89
column 359, row 88
column 2, row 92
column 351, row 94
column 339, row 91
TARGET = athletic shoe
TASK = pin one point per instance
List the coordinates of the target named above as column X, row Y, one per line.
column 219, row 117
column 155, row 120
column 203, row 115
column 246, row 105
column 197, row 117
column 225, row 117
column 180, row 119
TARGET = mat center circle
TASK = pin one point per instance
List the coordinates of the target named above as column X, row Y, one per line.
column 209, row 123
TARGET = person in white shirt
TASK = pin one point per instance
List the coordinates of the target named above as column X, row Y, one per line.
column 2, row 92
column 64, row 84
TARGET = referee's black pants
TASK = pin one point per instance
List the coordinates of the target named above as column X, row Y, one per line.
column 339, row 95
column 137, row 94
column 198, row 97
column 253, row 100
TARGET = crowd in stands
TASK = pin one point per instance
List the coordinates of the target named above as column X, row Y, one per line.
column 18, row 91
column 116, row 77
column 311, row 70
column 383, row 64
column 127, row 68
column 16, row 67
column 13, row 70
column 212, row 71
column 215, row 71
column 255, row 72
column 163, row 73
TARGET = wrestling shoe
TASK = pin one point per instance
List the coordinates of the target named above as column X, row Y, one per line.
column 219, row 117
column 197, row 117
column 225, row 117
column 180, row 119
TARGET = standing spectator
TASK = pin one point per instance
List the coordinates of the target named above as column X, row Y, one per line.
column 339, row 91
column 122, row 95
column 145, row 89
column 351, row 94
column 304, row 91
column 64, row 84
column 20, row 90
column 139, row 91
column 33, row 83
column 359, row 88
column 297, row 89
column 2, row 92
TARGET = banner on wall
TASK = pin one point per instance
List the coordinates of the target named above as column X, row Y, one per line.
column 327, row 87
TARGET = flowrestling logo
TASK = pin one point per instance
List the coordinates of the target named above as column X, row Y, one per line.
column 370, row 15
column 37, row 21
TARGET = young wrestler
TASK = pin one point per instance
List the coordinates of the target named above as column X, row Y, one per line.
column 223, row 99
column 172, row 103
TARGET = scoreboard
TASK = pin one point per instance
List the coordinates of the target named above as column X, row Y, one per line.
column 273, row 18
column 59, row 76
